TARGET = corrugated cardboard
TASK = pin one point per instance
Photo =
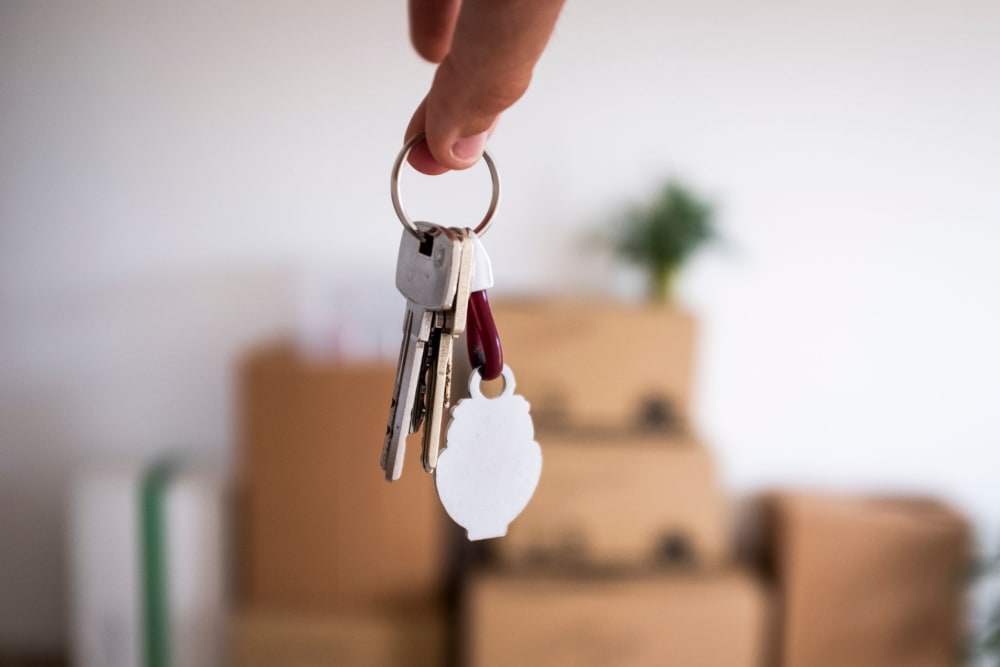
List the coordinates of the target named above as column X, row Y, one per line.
column 600, row 364
column 709, row 621
column 354, row 638
column 622, row 502
column 866, row 582
column 320, row 526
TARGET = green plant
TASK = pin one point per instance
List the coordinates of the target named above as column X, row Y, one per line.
column 663, row 234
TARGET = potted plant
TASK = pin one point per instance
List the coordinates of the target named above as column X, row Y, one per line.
column 661, row 235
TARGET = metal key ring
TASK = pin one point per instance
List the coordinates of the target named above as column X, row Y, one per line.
column 397, row 203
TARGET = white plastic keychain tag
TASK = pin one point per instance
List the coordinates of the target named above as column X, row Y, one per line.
column 491, row 466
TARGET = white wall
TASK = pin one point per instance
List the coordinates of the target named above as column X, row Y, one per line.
column 166, row 171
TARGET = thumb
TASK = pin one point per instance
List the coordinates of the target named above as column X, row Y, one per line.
column 462, row 110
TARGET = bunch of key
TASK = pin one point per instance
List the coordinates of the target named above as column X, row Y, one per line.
column 490, row 466
column 436, row 273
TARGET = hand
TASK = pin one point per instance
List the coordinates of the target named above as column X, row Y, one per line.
column 487, row 50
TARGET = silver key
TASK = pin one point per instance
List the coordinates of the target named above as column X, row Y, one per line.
column 427, row 275
column 451, row 323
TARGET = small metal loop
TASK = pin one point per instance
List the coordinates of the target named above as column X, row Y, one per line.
column 398, row 205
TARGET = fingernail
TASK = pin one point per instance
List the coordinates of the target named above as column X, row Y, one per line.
column 469, row 148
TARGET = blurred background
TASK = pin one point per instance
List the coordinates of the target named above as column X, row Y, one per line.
column 197, row 254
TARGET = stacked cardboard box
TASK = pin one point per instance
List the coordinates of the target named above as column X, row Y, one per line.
column 651, row 619
column 619, row 504
column 600, row 366
column 864, row 582
column 321, row 534
column 622, row 556
column 363, row 637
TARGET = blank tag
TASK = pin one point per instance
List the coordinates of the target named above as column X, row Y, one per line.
column 491, row 466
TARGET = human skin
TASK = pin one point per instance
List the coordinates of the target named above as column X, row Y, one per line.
column 486, row 51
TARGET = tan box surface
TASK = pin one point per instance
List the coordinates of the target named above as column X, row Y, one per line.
column 356, row 638
column 867, row 582
column 319, row 524
column 710, row 621
column 598, row 363
column 631, row 501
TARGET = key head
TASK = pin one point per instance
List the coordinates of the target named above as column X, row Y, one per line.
column 427, row 269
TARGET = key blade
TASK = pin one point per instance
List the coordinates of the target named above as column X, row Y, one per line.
column 417, row 327
column 394, row 407
column 424, row 379
column 440, row 391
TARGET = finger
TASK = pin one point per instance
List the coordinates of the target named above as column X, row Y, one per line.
column 493, row 54
column 432, row 23
column 420, row 157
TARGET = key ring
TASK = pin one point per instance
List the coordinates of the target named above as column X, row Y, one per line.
column 398, row 205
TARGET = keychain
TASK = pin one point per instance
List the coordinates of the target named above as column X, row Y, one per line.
column 491, row 464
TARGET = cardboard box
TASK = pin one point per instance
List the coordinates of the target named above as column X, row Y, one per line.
column 600, row 364
column 355, row 638
column 634, row 501
column 319, row 525
column 866, row 582
column 709, row 621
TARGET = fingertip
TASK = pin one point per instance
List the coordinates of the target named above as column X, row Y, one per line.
column 431, row 48
column 454, row 151
column 432, row 23
column 422, row 160
column 467, row 150
column 431, row 51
